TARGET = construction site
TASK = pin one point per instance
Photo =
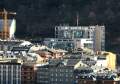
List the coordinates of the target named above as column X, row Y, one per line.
column 7, row 22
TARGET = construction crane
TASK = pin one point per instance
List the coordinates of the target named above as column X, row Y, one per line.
column 5, row 30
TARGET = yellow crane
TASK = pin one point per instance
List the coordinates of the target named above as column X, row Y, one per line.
column 5, row 30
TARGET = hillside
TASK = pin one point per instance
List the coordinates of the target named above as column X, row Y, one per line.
column 37, row 18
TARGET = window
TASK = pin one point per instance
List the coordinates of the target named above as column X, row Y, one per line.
column 78, row 34
column 51, row 74
column 56, row 79
column 76, row 76
column 66, row 70
column 56, row 74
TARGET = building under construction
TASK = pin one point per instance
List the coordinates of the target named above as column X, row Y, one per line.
column 7, row 25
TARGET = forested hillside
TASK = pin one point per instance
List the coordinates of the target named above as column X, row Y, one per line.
column 37, row 18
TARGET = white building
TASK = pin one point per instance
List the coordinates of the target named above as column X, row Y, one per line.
column 74, row 37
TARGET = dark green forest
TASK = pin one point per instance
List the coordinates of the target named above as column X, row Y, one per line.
column 37, row 18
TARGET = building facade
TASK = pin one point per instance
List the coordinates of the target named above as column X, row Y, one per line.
column 56, row 72
column 107, row 59
column 95, row 33
column 42, row 74
column 71, row 38
column 68, row 44
column 88, row 76
column 27, row 74
column 74, row 32
column 10, row 73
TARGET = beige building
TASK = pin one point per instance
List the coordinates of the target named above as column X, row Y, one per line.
column 99, row 38
column 110, row 60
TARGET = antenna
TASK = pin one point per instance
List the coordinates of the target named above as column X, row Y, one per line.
column 77, row 19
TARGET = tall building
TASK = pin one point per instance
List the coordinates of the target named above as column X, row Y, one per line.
column 99, row 38
column 95, row 33
column 10, row 73
column 74, row 37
